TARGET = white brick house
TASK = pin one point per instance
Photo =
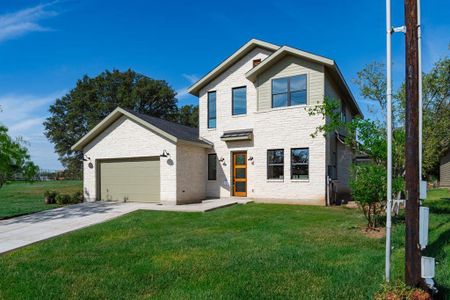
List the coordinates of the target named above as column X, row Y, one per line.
column 254, row 137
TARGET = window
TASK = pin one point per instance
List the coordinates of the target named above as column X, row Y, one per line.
column 289, row 91
column 239, row 100
column 212, row 166
column 275, row 164
column 300, row 163
column 211, row 109
column 343, row 114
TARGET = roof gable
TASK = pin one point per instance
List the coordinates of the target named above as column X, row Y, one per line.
column 328, row 63
column 236, row 56
column 170, row 130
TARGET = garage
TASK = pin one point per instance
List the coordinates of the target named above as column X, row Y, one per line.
column 133, row 179
column 133, row 157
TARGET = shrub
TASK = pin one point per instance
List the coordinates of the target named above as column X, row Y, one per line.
column 399, row 291
column 77, row 197
column 50, row 197
column 368, row 185
column 63, row 199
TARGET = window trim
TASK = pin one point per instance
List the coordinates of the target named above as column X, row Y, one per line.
column 299, row 164
column 207, row 108
column 289, row 92
column 232, row 100
column 274, row 164
column 215, row 161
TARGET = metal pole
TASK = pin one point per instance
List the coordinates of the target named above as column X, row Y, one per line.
column 419, row 51
column 412, row 250
column 389, row 139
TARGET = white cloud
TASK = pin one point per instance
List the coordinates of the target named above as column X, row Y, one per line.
column 16, row 24
column 24, row 115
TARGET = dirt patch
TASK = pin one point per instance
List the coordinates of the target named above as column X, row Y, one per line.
column 374, row 233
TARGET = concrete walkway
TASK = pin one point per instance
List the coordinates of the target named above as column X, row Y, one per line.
column 29, row 229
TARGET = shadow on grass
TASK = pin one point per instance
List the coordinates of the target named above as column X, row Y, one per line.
column 440, row 207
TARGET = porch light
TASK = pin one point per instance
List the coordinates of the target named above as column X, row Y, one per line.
column 86, row 158
column 250, row 158
column 222, row 159
column 164, row 154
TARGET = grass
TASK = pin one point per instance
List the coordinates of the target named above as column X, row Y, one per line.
column 254, row 251
column 19, row 198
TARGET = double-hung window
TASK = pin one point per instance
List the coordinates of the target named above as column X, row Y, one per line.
column 212, row 166
column 289, row 91
column 275, row 164
column 239, row 100
column 300, row 163
column 212, row 110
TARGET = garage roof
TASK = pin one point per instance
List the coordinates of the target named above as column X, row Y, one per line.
column 170, row 130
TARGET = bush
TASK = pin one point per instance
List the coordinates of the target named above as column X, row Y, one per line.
column 77, row 197
column 368, row 185
column 63, row 199
column 399, row 291
column 50, row 197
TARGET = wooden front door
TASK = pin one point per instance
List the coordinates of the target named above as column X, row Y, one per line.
column 240, row 174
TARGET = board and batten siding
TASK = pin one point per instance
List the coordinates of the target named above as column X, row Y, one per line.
column 444, row 171
column 291, row 66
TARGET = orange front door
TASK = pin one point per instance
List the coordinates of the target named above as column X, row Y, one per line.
column 240, row 174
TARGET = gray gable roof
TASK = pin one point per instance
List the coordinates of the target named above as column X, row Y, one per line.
column 179, row 131
column 170, row 130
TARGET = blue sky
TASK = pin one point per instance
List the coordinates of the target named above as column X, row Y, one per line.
column 46, row 46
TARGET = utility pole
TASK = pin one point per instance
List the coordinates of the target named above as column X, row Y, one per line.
column 412, row 248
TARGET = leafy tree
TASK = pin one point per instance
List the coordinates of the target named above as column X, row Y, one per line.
column 14, row 158
column 188, row 115
column 436, row 108
column 74, row 114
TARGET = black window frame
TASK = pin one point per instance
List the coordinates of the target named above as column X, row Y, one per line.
column 343, row 112
column 215, row 166
column 232, row 100
column 209, row 115
column 268, row 165
column 289, row 92
column 299, row 164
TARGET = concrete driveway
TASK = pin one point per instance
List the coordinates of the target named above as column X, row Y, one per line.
column 29, row 229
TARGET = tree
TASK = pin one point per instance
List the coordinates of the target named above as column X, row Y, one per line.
column 14, row 158
column 436, row 108
column 188, row 115
column 92, row 99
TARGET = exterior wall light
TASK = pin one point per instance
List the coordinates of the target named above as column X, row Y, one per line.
column 250, row 158
column 165, row 154
column 86, row 158
column 222, row 159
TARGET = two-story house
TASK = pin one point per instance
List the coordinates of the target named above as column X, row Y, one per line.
column 254, row 137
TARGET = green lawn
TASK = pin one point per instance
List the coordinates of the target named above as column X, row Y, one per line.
column 18, row 198
column 254, row 251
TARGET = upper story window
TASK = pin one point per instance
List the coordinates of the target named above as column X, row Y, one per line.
column 212, row 110
column 239, row 100
column 343, row 113
column 275, row 164
column 289, row 91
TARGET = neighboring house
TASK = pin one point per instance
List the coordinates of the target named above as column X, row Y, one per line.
column 254, row 137
column 444, row 170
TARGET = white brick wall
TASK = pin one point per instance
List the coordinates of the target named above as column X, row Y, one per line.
column 273, row 129
column 125, row 138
